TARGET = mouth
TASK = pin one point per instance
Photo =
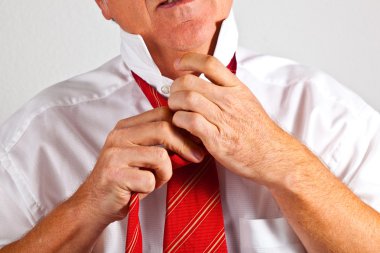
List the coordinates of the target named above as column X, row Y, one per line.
column 172, row 3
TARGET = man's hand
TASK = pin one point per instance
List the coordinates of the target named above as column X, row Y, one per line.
column 135, row 159
column 235, row 129
column 227, row 117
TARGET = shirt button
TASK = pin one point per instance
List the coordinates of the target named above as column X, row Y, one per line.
column 165, row 89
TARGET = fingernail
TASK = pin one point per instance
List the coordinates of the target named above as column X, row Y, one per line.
column 198, row 155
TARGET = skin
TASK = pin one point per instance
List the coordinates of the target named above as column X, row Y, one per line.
column 316, row 204
column 170, row 33
column 229, row 121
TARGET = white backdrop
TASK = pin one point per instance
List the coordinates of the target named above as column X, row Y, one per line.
column 44, row 42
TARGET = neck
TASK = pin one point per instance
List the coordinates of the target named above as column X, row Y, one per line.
column 165, row 57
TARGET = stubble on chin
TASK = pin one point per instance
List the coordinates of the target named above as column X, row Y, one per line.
column 190, row 35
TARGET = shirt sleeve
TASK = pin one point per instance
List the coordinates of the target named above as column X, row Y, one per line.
column 16, row 215
column 357, row 160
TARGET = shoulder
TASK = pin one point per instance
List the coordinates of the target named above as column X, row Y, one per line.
column 42, row 142
column 310, row 104
column 331, row 120
column 285, row 73
column 84, row 88
column 296, row 85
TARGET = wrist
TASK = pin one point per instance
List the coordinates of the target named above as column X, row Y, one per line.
column 84, row 204
column 298, row 173
column 288, row 164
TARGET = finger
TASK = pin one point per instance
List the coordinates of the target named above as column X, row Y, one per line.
column 157, row 114
column 156, row 159
column 196, row 124
column 195, row 102
column 140, row 181
column 214, row 93
column 213, row 69
column 157, row 133
column 191, row 82
column 158, row 162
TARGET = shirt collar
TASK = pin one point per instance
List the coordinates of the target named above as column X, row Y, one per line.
column 136, row 56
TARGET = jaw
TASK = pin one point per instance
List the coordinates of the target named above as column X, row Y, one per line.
column 185, row 26
column 189, row 27
column 185, row 36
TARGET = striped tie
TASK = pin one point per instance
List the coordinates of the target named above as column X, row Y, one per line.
column 194, row 217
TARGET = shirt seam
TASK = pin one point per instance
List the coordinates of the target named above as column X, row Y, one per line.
column 6, row 149
column 29, row 197
column 330, row 160
column 361, row 115
column 21, row 130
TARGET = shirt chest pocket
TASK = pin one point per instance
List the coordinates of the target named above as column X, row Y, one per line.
column 268, row 236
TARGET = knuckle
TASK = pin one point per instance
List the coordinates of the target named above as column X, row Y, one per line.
column 161, row 154
column 191, row 98
column 195, row 121
column 112, row 136
column 108, row 176
column 120, row 124
column 165, row 113
column 228, row 100
column 111, row 156
column 149, row 182
column 166, row 176
column 164, row 127
column 178, row 119
column 164, row 172
column 111, row 152
column 175, row 83
column 112, row 175
column 210, row 62
column 187, row 79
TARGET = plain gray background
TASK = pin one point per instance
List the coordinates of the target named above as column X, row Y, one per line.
column 44, row 42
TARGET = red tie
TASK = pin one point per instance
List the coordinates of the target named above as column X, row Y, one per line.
column 194, row 217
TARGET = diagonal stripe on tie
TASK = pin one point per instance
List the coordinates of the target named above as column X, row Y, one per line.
column 173, row 202
column 194, row 217
column 134, row 242
column 198, row 218
column 193, row 224
column 216, row 242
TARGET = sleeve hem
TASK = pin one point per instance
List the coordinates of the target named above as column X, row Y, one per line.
column 34, row 208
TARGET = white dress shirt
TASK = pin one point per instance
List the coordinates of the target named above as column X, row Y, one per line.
column 48, row 148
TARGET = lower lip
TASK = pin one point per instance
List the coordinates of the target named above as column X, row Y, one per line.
column 177, row 3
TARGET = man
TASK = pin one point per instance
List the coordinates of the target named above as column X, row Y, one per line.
column 297, row 153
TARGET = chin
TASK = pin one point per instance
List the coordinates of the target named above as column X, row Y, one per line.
column 189, row 36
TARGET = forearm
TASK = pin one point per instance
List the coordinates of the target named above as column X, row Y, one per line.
column 104, row 197
column 324, row 213
column 68, row 228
